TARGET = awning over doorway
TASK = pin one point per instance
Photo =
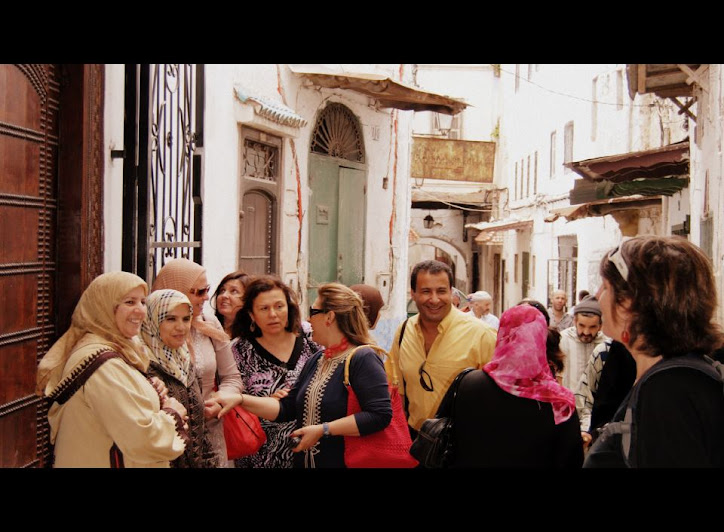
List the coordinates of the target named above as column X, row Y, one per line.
column 488, row 230
column 667, row 161
column 388, row 92
column 664, row 80
column 658, row 172
column 603, row 207
column 269, row 109
column 478, row 197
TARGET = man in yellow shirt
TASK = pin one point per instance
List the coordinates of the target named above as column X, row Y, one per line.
column 438, row 343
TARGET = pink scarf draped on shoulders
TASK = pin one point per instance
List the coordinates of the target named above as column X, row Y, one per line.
column 520, row 366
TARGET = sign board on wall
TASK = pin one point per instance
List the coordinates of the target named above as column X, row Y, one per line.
column 456, row 160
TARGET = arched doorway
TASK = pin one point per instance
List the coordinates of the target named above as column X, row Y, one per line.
column 443, row 251
column 257, row 233
column 337, row 182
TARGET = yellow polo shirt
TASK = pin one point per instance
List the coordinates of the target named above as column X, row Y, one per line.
column 463, row 341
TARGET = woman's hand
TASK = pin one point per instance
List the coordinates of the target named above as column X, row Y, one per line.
column 211, row 409
column 310, row 436
column 586, row 437
column 160, row 388
column 175, row 405
column 280, row 393
column 219, row 404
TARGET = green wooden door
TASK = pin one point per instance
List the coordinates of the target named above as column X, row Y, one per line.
column 351, row 227
column 336, row 224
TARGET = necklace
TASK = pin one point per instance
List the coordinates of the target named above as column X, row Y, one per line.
column 336, row 349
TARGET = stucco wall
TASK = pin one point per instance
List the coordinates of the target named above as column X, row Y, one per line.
column 552, row 96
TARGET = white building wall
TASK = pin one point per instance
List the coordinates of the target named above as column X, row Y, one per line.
column 477, row 85
column 113, row 168
column 707, row 163
column 386, row 137
column 547, row 98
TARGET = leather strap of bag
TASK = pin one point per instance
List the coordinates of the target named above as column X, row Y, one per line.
column 406, row 403
column 447, row 405
column 375, row 348
column 80, row 375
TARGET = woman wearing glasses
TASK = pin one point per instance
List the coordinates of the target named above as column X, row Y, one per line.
column 270, row 354
column 318, row 400
column 210, row 346
column 658, row 298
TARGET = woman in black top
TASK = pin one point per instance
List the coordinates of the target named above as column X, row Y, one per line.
column 658, row 298
column 318, row 398
column 513, row 413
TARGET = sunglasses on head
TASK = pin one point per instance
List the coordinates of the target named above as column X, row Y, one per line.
column 616, row 258
column 313, row 311
column 199, row 292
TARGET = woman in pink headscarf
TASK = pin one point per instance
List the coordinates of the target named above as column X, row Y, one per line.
column 513, row 412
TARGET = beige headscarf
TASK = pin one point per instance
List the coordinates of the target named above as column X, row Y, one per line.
column 181, row 274
column 94, row 316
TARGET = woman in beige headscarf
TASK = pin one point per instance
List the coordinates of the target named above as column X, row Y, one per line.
column 210, row 346
column 117, row 418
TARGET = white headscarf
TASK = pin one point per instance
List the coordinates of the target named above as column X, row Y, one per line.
column 176, row 362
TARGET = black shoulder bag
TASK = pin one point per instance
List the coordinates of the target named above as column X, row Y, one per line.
column 434, row 446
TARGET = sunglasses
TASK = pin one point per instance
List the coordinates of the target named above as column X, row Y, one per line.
column 425, row 379
column 315, row 311
column 616, row 258
column 199, row 292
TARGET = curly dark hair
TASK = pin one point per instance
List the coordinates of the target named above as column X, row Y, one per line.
column 264, row 283
column 670, row 293
column 553, row 352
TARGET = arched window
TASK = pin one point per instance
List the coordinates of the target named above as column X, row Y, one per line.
column 337, row 134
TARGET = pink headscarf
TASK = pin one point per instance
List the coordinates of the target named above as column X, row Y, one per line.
column 519, row 365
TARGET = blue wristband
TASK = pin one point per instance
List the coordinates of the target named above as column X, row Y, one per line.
column 325, row 430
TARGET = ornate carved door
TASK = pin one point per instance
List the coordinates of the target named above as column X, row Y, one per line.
column 29, row 97
column 50, row 231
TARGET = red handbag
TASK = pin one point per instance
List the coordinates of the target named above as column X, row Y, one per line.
column 243, row 433
column 389, row 447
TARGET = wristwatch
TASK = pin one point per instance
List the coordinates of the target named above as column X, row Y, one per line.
column 325, row 430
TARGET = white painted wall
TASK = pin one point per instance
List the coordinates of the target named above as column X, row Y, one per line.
column 477, row 85
column 543, row 103
column 113, row 168
column 386, row 136
column 707, row 164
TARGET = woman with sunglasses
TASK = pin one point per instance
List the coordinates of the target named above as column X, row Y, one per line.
column 658, row 298
column 229, row 297
column 209, row 345
column 317, row 402
column 270, row 354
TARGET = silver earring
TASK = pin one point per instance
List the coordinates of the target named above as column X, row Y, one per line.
column 252, row 327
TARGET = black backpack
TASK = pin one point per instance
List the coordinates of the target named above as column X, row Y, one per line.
column 626, row 429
